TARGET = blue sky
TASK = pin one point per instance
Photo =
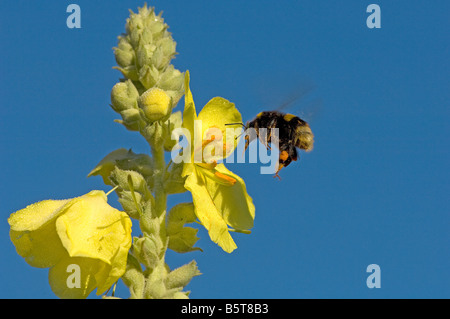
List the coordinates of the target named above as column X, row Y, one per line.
column 375, row 190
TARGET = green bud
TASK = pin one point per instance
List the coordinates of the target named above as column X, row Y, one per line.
column 158, row 59
column 134, row 278
column 126, row 160
column 181, row 276
column 173, row 122
column 124, row 96
column 132, row 119
column 153, row 133
column 155, row 289
column 174, row 182
column 144, row 54
column 124, row 44
column 171, row 80
column 130, row 72
column 131, row 203
column 181, row 295
column 168, row 47
column 124, row 52
column 145, row 250
column 124, row 58
column 135, row 31
column 148, row 75
column 150, row 223
column 123, row 178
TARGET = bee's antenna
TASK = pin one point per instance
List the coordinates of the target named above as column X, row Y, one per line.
column 243, row 125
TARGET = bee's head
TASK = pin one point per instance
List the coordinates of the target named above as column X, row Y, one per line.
column 304, row 137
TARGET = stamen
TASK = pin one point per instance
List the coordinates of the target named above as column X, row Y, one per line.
column 206, row 142
column 226, row 178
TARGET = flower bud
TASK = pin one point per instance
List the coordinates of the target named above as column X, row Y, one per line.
column 181, row 276
column 124, row 96
column 155, row 103
column 132, row 119
column 124, row 53
column 172, row 79
column 144, row 54
column 173, row 122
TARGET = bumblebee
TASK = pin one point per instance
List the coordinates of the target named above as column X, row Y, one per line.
column 293, row 133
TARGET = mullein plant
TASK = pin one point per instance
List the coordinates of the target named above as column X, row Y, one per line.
column 87, row 234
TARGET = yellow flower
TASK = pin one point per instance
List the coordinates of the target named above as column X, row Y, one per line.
column 220, row 197
column 83, row 241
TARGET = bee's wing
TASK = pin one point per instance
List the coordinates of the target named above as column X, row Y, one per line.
column 304, row 100
column 311, row 110
column 291, row 93
column 298, row 95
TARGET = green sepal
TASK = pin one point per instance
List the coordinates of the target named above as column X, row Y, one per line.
column 154, row 133
column 124, row 52
column 174, row 182
column 134, row 278
column 181, row 276
column 148, row 76
column 125, row 160
column 173, row 122
column 130, row 72
column 132, row 119
column 121, row 177
column 182, row 239
column 146, row 250
column 132, row 203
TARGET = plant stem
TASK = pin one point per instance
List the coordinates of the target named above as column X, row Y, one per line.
column 156, row 272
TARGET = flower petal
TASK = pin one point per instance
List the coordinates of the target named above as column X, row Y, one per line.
column 235, row 205
column 189, row 114
column 33, row 232
column 36, row 215
column 208, row 214
column 220, row 113
column 74, row 278
column 92, row 228
column 41, row 248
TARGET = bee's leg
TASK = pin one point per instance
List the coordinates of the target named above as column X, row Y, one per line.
column 280, row 166
column 283, row 161
column 265, row 140
column 269, row 139
column 247, row 142
column 249, row 138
